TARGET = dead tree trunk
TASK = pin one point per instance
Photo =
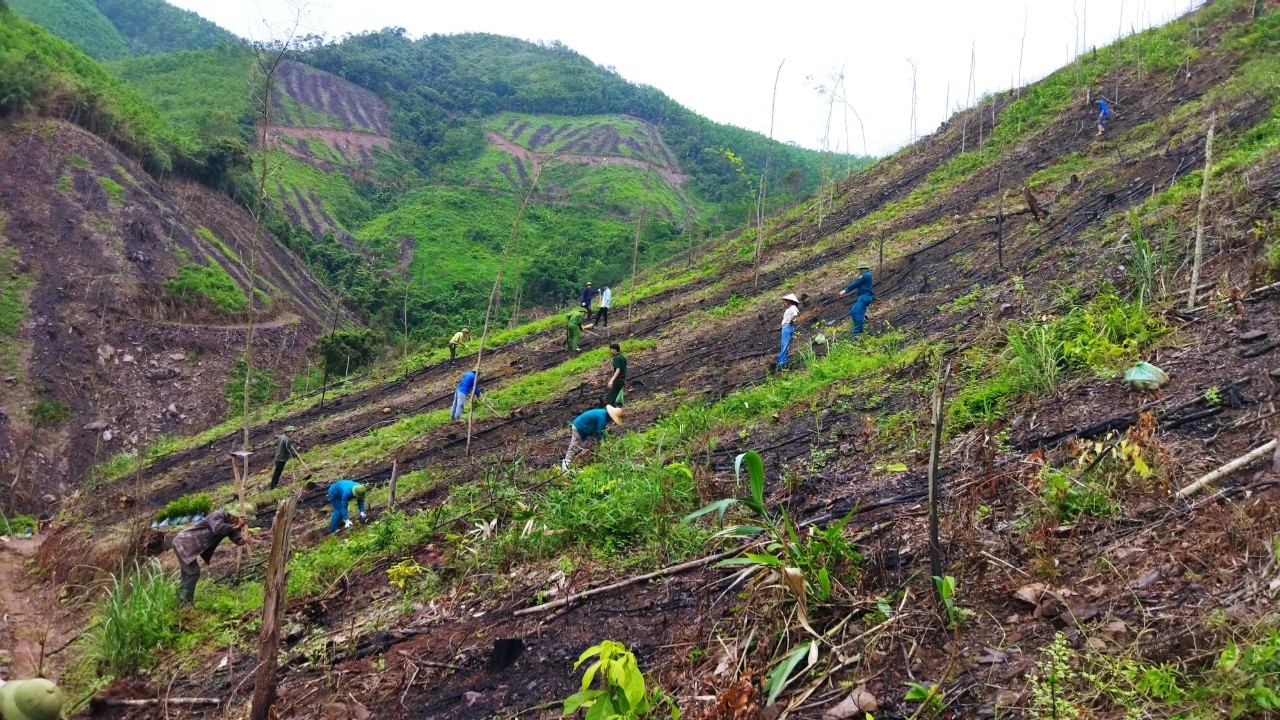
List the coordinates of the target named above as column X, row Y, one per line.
column 760, row 196
column 264, row 682
column 1198, row 254
column 935, row 546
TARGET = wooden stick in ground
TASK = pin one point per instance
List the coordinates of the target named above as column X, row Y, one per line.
column 672, row 570
column 760, row 196
column 391, row 489
column 264, row 682
column 1248, row 458
column 935, row 546
column 235, row 470
column 1204, row 197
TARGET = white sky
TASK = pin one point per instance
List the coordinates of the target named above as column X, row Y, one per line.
column 719, row 58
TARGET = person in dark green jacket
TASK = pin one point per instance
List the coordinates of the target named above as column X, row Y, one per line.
column 588, row 425
column 284, row 451
column 573, row 330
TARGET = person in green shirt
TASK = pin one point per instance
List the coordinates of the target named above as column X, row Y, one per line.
column 573, row 330
column 461, row 337
column 284, row 451
column 617, row 378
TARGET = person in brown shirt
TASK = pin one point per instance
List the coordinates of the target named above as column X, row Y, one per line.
column 200, row 539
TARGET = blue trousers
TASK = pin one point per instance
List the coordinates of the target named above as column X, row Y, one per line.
column 339, row 518
column 786, row 344
column 459, row 405
column 858, row 313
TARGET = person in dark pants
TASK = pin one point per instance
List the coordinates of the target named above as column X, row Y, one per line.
column 584, row 299
column 613, row 392
column 861, row 289
column 1104, row 115
column 284, row 451
column 586, row 426
column 606, row 299
column 200, row 539
column 459, row 338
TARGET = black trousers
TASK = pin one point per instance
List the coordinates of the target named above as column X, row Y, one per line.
column 611, row 395
column 190, row 575
column 453, row 352
column 602, row 316
column 275, row 476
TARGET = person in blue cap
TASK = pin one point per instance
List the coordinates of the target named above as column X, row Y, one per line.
column 341, row 494
column 861, row 289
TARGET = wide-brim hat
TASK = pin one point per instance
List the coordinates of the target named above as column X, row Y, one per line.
column 290, row 428
column 236, row 510
column 864, row 265
column 465, row 330
column 37, row 699
column 359, row 491
column 791, row 298
column 614, row 413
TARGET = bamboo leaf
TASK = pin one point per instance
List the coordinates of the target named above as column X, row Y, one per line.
column 778, row 678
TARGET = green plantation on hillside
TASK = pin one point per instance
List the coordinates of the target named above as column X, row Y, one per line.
column 202, row 94
column 77, row 21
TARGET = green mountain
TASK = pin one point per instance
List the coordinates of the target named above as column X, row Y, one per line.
column 112, row 29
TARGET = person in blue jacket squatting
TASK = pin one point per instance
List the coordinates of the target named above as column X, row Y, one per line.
column 861, row 289
column 587, row 425
column 340, row 494
column 468, row 386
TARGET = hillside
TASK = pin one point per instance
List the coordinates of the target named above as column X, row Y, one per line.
column 114, row 29
column 125, row 298
column 1038, row 265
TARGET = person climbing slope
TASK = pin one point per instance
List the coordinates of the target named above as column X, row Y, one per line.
column 863, row 294
column 788, row 317
column 1104, row 115
column 341, row 493
column 198, row 541
column 459, row 338
column 584, row 298
column 617, row 377
column 587, row 425
column 606, row 299
column 468, row 387
column 573, row 330
column 284, row 451
column 35, row 699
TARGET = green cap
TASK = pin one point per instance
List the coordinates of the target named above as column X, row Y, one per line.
column 864, row 265
column 36, row 699
column 359, row 491
column 234, row 510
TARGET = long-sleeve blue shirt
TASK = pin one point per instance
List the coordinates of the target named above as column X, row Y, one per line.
column 340, row 494
column 592, row 422
column 469, row 382
column 1103, row 109
column 861, row 285
column 585, row 297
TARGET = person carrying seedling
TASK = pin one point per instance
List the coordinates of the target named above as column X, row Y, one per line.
column 587, row 425
column 284, row 451
column 584, row 298
column 606, row 299
column 35, row 699
column 573, row 330
column 861, row 289
column 199, row 539
column 461, row 337
column 1104, row 115
column 617, row 378
column 341, row 493
column 469, row 387
column 788, row 317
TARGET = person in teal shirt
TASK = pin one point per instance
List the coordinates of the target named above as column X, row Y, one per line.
column 341, row 494
column 588, row 425
column 861, row 289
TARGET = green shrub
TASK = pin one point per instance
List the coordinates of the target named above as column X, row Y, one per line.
column 113, row 189
column 198, row 283
column 186, row 506
column 48, row 411
column 17, row 524
column 138, row 615
column 261, row 387
column 346, row 350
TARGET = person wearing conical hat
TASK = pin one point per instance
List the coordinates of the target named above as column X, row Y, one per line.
column 35, row 699
column 198, row 541
column 788, row 318
column 588, row 425
column 341, row 493
column 861, row 289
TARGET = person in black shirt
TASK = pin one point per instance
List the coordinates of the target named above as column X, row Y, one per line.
column 613, row 393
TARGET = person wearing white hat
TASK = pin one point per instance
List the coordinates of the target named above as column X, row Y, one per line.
column 588, row 425
column 788, row 317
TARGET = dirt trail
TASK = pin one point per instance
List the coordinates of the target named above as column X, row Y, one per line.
column 286, row 319
column 671, row 176
column 20, row 620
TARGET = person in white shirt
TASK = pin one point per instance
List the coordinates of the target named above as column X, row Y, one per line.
column 788, row 317
column 602, row 314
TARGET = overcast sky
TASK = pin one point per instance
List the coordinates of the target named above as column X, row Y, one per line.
column 720, row 58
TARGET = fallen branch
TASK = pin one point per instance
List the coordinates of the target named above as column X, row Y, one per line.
column 1261, row 349
column 147, row 702
column 672, row 570
column 1248, row 458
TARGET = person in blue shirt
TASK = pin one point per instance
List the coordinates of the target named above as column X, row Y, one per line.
column 470, row 386
column 1104, row 114
column 861, row 289
column 341, row 494
column 587, row 425
column 584, row 299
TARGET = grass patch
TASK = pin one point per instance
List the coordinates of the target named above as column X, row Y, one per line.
column 207, row 235
column 207, row 285
column 49, row 411
column 138, row 615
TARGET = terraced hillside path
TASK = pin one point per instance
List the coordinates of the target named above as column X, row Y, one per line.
column 672, row 177
column 20, row 624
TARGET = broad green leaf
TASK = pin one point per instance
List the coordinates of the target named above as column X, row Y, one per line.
column 578, row 699
column 896, row 467
column 751, row 559
column 593, row 650
column 824, row 585
column 755, row 473
column 602, row 709
column 591, row 674
column 718, row 506
column 778, row 678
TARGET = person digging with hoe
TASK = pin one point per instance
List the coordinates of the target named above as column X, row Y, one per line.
column 573, row 330
column 587, row 425
column 341, row 493
column 462, row 337
column 198, row 541
column 284, row 451
column 35, row 699
column 469, row 387
column 861, row 289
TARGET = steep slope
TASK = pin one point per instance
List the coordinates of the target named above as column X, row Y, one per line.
column 114, row 29
column 1079, row 586
column 78, row 21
